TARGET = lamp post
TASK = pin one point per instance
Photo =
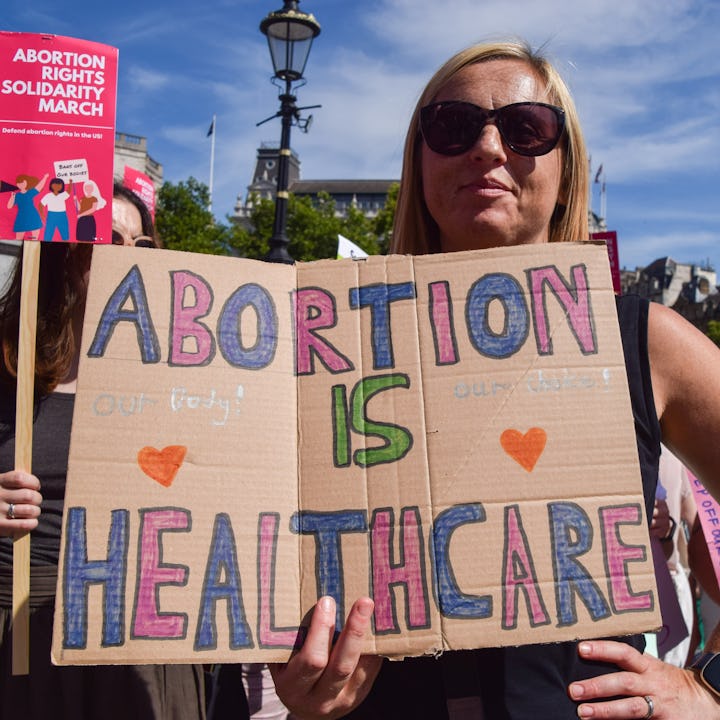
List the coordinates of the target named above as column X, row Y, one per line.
column 290, row 33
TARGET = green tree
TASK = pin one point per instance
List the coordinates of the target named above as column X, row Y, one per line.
column 254, row 243
column 361, row 230
column 385, row 218
column 313, row 228
column 184, row 222
column 713, row 331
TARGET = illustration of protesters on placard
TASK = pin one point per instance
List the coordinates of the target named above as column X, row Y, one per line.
column 90, row 202
column 7, row 187
column 28, row 218
column 55, row 211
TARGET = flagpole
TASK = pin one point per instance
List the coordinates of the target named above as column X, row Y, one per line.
column 212, row 162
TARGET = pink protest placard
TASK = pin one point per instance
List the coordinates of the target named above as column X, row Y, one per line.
column 57, row 138
column 142, row 185
column 610, row 238
column 709, row 513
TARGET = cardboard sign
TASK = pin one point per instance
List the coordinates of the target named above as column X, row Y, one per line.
column 449, row 434
column 57, row 123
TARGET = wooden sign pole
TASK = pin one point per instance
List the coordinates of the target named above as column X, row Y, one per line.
column 23, row 451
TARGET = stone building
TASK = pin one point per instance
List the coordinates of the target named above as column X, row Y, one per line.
column 132, row 150
column 689, row 289
column 367, row 195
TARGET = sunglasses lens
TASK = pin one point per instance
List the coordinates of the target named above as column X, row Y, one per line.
column 451, row 128
column 117, row 238
column 530, row 129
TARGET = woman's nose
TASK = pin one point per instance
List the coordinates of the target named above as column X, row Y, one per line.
column 489, row 145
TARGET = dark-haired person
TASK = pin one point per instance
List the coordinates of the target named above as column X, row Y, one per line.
column 495, row 157
column 34, row 503
column 52, row 205
column 132, row 221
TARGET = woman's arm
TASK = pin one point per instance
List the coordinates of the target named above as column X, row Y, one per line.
column 42, row 182
column 685, row 370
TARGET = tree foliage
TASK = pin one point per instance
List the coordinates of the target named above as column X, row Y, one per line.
column 184, row 223
column 385, row 218
column 713, row 331
column 313, row 227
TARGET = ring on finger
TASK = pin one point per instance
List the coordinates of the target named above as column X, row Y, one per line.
column 651, row 707
column 11, row 511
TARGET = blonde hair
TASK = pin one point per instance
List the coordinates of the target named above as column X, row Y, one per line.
column 414, row 230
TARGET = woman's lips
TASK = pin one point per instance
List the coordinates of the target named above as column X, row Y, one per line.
column 486, row 187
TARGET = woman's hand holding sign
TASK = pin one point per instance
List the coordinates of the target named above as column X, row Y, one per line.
column 670, row 689
column 326, row 679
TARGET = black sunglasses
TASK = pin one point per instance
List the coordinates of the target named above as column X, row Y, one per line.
column 527, row 128
column 140, row 241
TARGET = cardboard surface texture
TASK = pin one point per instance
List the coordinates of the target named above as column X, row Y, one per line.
column 449, row 434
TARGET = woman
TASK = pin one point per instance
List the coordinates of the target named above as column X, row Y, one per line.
column 132, row 221
column 151, row 692
column 28, row 218
column 87, row 206
column 495, row 157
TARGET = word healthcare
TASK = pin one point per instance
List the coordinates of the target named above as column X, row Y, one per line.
column 350, row 464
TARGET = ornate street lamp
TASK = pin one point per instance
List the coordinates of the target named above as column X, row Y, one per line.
column 290, row 33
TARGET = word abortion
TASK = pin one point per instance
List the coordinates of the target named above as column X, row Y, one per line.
column 315, row 310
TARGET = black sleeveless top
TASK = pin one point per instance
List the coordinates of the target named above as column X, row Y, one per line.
column 50, row 448
column 528, row 682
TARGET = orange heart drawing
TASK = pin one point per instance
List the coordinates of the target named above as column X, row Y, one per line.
column 524, row 449
column 162, row 465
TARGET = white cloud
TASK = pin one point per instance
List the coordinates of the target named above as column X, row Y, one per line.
column 644, row 74
column 146, row 80
column 586, row 25
column 687, row 247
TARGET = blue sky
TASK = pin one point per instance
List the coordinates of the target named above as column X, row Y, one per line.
column 645, row 74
